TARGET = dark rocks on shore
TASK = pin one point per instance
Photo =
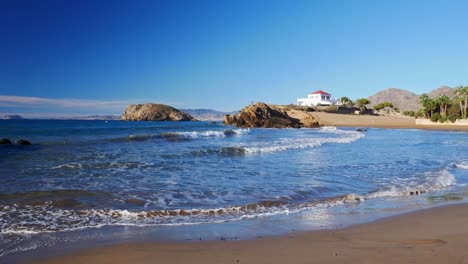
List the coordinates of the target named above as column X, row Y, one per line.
column 5, row 141
column 154, row 112
column 23, row 142
column 263, row 115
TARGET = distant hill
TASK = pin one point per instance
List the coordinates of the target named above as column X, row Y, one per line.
column 12, row 117
column 401, row 99
column 97, row 117
column 450, row 92
column 207, row 114
column 406, row 100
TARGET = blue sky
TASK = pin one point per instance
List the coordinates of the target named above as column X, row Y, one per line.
column 94, row 57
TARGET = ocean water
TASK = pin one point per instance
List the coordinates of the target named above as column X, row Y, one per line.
column 82, row 177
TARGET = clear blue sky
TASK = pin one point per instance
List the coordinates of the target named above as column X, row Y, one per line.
column 222, row 54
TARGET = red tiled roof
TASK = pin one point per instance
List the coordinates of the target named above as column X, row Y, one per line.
column 320, row 92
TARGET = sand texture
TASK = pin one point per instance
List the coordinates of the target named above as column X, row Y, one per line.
column 438, row 235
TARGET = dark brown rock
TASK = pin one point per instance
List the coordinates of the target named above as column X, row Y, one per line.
column 269, row 116
column 23, row 142
column 154, row 112
column 5, row 141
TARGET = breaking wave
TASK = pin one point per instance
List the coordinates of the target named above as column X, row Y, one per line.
column 428, row 182
column 342, row 137
column 463, row 165
column 209, row 133
column 52, row 216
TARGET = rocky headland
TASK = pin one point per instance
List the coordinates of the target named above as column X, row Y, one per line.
column 154, row 112
column 271, row 116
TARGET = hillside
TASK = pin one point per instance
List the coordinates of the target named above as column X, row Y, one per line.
column 406, row 100
column 450, row 92
column 401, row 99
column 207, row 114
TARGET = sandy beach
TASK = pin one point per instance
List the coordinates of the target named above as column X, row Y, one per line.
column 437, row 235
column 341, row 120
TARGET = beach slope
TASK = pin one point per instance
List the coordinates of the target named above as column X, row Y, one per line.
column 437, row 235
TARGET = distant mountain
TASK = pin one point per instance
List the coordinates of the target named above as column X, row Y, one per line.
column 207, row 114
column 97, row 117
column 12, row 117
column 406, row 100
column 445, row 90
column 401, row 99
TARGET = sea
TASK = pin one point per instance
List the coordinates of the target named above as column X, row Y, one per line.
column 87, row 183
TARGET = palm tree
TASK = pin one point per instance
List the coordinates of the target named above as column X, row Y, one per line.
column 431, row 106
column 462, row 98
column 424, row 100
column 443, row 102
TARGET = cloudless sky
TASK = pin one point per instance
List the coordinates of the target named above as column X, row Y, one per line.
column 225, row 54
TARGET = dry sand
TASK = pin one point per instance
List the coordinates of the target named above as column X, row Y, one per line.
column 329, row 119
column 437, row 235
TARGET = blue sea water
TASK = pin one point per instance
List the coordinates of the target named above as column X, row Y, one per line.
column 80, row 176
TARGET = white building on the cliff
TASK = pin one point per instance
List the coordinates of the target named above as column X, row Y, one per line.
column 316, row 98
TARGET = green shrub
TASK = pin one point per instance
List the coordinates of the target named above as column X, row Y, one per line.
column 332, row 108
column 383, row 105
column 435, row 117
column 443, row 119
column 409, row 113
column 452, row 118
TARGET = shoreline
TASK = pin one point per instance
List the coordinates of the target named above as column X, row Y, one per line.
column 395, row 122
column 434, row 235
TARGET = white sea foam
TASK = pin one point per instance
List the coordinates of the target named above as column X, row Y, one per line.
column 428, row 182
column 340, row 137
column 463, row 165
column 68, row 166
column 46, row 218
column 212, row 133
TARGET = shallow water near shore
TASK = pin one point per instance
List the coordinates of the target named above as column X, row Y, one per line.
column 105, row 182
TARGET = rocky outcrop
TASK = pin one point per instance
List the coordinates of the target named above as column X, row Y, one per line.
column 154, row 112
column 23, row 142
column 270, row 116
column 5, row 141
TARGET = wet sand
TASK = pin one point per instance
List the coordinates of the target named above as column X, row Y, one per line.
column 339, row 120
column 437, row 235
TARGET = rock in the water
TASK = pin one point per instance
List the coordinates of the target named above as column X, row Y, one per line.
column 5, row 141
column 23, row 142
column 154, row 112
column 361, row 130
column 263, row 115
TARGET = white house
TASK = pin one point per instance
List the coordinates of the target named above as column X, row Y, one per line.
column 316, row 98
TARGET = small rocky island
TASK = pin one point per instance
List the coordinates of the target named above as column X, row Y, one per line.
column 271, row 116
column 154, row 112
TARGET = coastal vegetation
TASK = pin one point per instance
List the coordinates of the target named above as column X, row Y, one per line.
column 383, row 105
column 443, row 108
column 362, row 102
